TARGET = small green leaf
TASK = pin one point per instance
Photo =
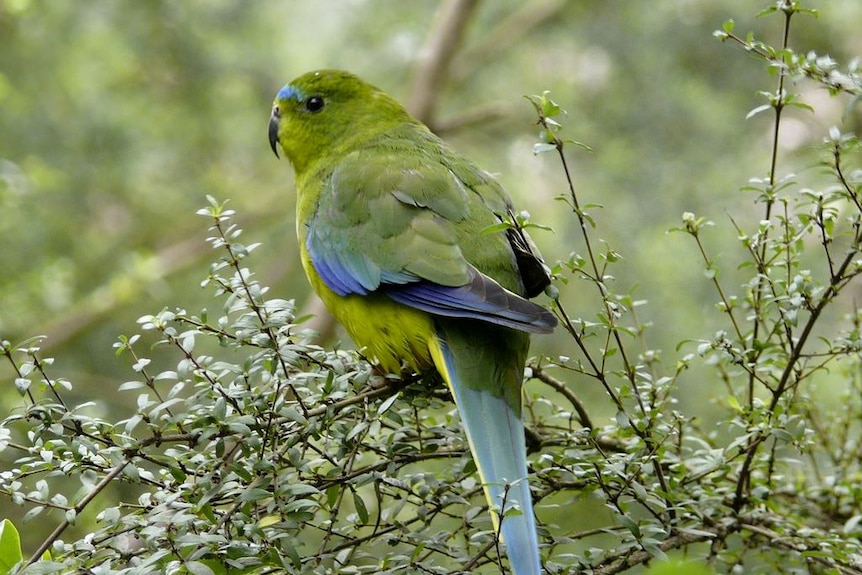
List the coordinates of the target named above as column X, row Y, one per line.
column 758, row 110
column 622, row 420
column 493, row 229
column 10, row 546
column 198, row 568
column 767, row 11
column 22, row 384
column 361, row 510
column 631, row 525
column 384, row 407
column 542, row 147
column 131, row 385
column 734, row 404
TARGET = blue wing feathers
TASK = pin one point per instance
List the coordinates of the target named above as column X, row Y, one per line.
column 350, row 272
column 342, row 271
column 337, row 276
column 462, row 301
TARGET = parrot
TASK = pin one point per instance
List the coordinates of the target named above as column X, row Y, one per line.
column 416, row 252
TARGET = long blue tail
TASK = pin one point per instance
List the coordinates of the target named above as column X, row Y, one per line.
column 496, row 436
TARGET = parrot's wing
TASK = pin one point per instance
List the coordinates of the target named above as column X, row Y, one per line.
column 382, row 220
column 482, row 298
column 387, row 222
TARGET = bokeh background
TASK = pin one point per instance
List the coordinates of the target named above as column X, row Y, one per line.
column 118, row 118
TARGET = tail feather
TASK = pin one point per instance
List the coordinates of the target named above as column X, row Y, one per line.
column 496, row 437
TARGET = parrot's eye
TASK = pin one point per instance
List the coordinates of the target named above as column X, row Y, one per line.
column 314, row 104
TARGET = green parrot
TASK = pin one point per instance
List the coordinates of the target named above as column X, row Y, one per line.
column 393, row 228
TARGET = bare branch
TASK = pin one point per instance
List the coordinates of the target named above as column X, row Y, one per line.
column 444, row 40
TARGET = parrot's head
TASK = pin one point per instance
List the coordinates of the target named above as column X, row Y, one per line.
column 319, row 113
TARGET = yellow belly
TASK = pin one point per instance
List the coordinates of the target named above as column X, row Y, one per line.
column 389, row 332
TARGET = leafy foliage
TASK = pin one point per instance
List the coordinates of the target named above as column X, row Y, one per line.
column 254, row 450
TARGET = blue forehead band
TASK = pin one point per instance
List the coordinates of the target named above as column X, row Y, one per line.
column 289, row 93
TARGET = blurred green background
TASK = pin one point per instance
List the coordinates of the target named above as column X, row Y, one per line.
column 118, row 118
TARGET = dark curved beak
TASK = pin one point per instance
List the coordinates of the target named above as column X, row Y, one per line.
column 273, row 133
